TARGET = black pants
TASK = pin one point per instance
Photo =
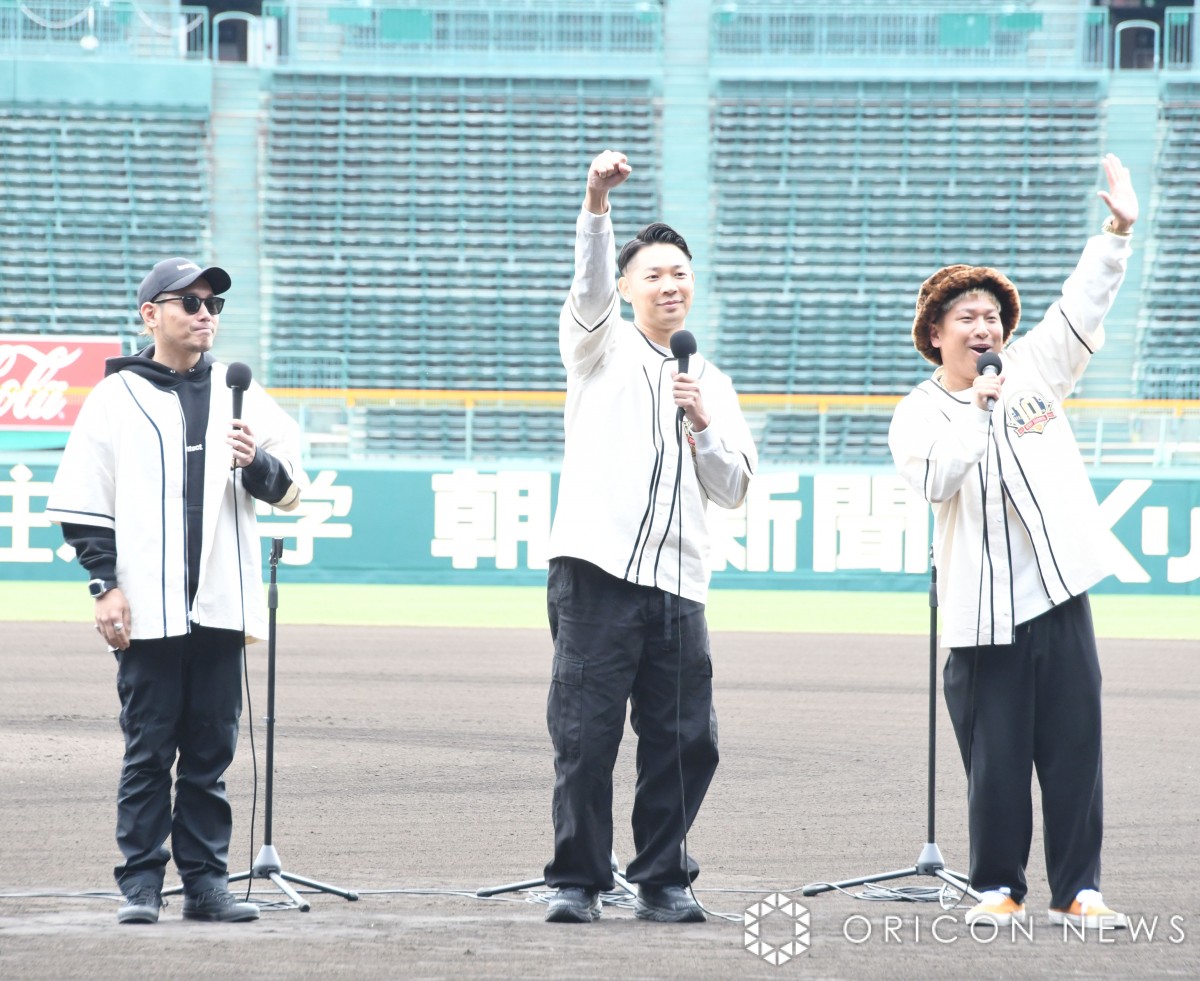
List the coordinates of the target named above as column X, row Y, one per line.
column 1034, row 704
column 616, row 642
column 179, row 695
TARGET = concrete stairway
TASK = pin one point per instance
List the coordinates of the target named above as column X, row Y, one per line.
column 1132, row 134
column 239, row 117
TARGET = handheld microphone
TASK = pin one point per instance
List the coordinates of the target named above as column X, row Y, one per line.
column 989, row 364
column 683, row 346
column 237, row 377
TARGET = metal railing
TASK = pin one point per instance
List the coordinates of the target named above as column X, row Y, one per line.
column 1110, row 432
column 421, row 32
column 103, row 30
column 746, row 35
column 1049, row 35
column 1179, row 38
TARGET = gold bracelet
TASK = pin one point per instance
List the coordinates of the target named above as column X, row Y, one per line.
column 1110, row 226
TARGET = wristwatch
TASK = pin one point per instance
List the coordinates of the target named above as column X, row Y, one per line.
column 1110, row 226
column 98, row 587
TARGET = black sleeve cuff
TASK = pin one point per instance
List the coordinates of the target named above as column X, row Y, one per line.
column 266, row 477
column 96, row 549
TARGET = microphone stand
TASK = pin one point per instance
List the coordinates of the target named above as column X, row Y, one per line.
column 268, row 865
column 618, row 878
column 929, row 862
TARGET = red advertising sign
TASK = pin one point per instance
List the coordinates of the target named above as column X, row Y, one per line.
column 43, row 380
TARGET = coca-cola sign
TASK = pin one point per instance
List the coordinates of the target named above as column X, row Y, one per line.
column 44, row 380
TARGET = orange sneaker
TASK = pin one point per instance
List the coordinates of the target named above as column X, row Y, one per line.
column 1089, row 913
column 998, row 907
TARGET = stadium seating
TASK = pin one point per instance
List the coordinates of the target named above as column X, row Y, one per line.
column 492, row 433
column 417, row 196
column 90, row 207
column 836, row 199
column 1168, row 352
column 840, row 437
column 424, row 226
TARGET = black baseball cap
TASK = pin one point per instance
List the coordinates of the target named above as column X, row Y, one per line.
column 175, row 274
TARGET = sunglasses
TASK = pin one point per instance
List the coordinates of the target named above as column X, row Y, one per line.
column 191, row 303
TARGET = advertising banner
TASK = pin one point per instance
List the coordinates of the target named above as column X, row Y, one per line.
column 43, row 380
column 850, row 529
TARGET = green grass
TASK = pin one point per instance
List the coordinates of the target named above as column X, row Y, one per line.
column 1150, row 617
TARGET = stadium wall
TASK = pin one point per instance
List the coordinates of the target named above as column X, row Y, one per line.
column 800, row 528
column 75, row 82
column 359, row 269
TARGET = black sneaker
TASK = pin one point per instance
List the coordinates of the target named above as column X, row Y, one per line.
column 141, row 906
column 668, row 904
column 573, row 905
column 218, row 906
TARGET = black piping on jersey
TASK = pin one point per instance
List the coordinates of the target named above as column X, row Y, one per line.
column 650, row 344
column 597, row 325
column 1005, row 498
column 1072, row 329
column 652, row 491
column 676, row 486
column 1025, row 481
column 660, row 449
column 659, row 444
column 1041, row 521
column 187, row 570
column 88, row 514
column 1009, row 499
column 986, row 561
column 162, row 469
column 929, row 454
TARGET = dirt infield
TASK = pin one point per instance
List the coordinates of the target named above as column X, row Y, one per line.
column 413, row 765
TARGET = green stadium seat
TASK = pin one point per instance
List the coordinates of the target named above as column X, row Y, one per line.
column 437, row 201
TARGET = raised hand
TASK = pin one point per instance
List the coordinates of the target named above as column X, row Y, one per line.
column 1120, row 197
column 608, row 170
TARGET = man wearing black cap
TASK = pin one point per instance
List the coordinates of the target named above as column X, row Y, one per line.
column 156, row 493
column 1018, row 541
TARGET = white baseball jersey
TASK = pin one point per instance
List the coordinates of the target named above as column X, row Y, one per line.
column 125, row 468
column 617, row 507
column 1017, row 507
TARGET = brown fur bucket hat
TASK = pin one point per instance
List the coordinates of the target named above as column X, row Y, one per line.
column 947, row 283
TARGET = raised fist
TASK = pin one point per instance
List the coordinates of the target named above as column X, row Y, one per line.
column 607, row 171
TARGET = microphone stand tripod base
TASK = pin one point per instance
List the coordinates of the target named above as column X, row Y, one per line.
column 930, row 861
column 268, row 866
column 618, row 878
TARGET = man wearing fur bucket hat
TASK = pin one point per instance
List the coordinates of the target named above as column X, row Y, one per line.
column 1018, row 541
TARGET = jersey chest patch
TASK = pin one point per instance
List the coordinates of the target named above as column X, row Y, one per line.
column 1028, row 412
